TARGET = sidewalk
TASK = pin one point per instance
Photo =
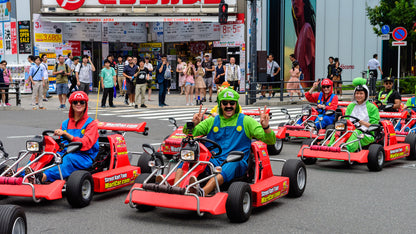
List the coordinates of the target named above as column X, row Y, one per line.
column 174, row 100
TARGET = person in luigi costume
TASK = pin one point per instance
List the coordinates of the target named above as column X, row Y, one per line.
column 233, row 131
column 363, row 109
column 389, row 95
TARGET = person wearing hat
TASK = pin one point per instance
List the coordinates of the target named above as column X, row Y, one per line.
column 79, row 127
column 325, row 100
column 233, row 131
column 389, row 95
column 364, row 110
column 209, row 67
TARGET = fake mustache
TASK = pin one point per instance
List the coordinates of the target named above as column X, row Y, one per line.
column 229, row 108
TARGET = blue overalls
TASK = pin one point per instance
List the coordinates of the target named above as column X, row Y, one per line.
column 230, row 138
column 75, row 161
column 327, row 119
column 408, row 128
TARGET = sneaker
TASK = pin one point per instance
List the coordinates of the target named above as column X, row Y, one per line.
column 42, row 108
column 34, row 108
column 196, row 189
column 126, row 102
column 168, row 92
column 103, row 106
column 8, row 104
column 161, row 105
column 131, row 104
column 210, row 100
column 204, row 100
column 269, row 98
column 261, row 97
column 164, row 104
column 45, row 99
column 187, row 104
column 136, row 106
column 143, row 106
column 113, row 106
column 159, row 179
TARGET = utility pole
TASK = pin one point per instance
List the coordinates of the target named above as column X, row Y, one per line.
column 253, row 51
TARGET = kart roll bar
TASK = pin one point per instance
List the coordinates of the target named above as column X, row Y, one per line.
column 124, row 127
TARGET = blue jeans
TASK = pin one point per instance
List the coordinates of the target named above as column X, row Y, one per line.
column 162, row 92
column 327, row 120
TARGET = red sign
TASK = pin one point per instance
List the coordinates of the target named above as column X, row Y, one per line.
column 399, row 34
column 13, row 35
column 76, row 4
column 70, row 5
column 76, row 47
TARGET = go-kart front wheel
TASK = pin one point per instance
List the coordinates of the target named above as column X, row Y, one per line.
column 12, row 219
column 239, row 202
column 308, row 161
column 144, row 159
column 140, row 179
column 375, row 157
column 276, row 148
column 79, row 189
column 296, row 171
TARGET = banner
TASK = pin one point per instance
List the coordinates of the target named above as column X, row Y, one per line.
column 191, row 31
column 124, row 32
column 10, row 38
column 24, row 37
column 84, row 31
column 48, row 37
column 5, row 9
column 1, row 40
column 76, row 47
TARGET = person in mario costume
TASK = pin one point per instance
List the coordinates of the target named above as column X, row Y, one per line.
column 325, row 100
column 79, row 127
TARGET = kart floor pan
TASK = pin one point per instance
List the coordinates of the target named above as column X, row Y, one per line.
column 360, row 157
column 52, row 191
column 214, row 205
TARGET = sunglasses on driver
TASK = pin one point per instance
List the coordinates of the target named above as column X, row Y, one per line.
column 80, row 102
column 225, row 103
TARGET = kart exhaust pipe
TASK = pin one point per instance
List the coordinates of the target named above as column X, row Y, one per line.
column 11, row 180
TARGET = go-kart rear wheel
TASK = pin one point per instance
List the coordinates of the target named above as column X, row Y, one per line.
column 276, row 148
column 12, row 219
column 144, row 159
column 140, row 179
column 411, row 140
column 239, row 202
column 296, row 171
column 306, row 160
column 79, row 189
column 375, row 157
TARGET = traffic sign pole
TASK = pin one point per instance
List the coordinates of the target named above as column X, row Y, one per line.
column 398, row 69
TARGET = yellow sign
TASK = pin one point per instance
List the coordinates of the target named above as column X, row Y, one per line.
column 66, row 52
column 1, row 44
column 151, row 45
column 46, row 37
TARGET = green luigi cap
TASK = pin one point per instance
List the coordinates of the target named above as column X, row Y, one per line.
column 359, row 81
column 229, row 94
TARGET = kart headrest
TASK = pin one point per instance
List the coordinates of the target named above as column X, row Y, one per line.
column 11, row 180
column 326, row 148
column 294, row 127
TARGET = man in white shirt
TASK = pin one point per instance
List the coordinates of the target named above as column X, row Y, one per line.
column 233, row 74
column 373, row 65
column 83, row 74
column 44, row 63
column 69, row 61
column 273, row 69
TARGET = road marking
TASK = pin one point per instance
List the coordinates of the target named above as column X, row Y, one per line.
column 13, row 137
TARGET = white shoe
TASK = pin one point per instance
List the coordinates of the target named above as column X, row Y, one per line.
column 168, row 92
column 192, row 104
column 187, row 104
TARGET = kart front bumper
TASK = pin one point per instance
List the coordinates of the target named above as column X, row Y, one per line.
column 360, row 157
column 52, row 191
column 214, row 205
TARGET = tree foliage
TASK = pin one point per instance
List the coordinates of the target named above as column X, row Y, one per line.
column 394, row 13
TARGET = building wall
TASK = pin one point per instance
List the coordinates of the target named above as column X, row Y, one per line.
column 343, row 30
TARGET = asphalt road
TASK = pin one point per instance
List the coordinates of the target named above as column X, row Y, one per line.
column 338, row 198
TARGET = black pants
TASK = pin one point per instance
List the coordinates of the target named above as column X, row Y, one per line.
column 234, row 84
column 73, row 86
column 7, row 92
column 108, row 92
column 373, row 80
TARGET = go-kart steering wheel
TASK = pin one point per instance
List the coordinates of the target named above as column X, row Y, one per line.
column 214, row 145
column 49, row 132
column 354, row 119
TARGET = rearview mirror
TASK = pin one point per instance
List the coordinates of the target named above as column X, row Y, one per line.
column 73, row 147
column 148, row 149
column 284, row 110
column 172, row 121
column 310, row 124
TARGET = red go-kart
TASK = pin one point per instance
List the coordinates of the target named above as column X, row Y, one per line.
column 111, row 168
column 385, row 148
column 258, row 186
column 303, row 125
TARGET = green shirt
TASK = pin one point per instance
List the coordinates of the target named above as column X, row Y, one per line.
column 60, row 78
column 252, row 128
column 107, row 75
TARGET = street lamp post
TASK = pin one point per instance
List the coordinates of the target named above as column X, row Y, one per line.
column 253, row 51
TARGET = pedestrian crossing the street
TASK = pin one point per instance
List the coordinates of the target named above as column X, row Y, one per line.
column 182, row 115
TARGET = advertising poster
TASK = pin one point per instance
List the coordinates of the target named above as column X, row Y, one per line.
column 1, row 40
column 299, row 36
column 5, row 9
column 191, row 31
column 24, row 37
column 83, row 31
column 10, row 38
column 76, row 47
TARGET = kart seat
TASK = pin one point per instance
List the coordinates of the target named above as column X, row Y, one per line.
column 325, row 148
column 102, row 160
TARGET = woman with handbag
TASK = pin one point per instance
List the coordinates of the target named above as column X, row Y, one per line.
column 200, row 86
column 189, row 83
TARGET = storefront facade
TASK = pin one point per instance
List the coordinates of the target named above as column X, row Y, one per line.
column 178, row 28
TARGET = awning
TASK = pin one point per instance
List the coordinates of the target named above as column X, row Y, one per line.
column 71, row 19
